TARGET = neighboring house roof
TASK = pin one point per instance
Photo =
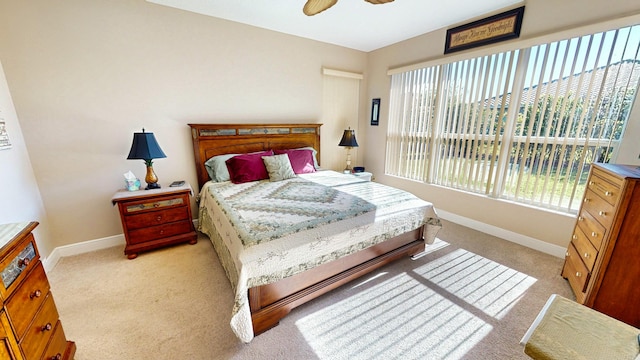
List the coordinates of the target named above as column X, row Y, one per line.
column 620, row 74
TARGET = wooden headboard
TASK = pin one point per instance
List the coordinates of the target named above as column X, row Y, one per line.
column 217, row 139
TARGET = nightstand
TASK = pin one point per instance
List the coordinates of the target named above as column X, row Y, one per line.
column 155, row 218
column 363, row 175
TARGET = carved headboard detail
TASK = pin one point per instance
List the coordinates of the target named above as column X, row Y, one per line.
column 217, row 139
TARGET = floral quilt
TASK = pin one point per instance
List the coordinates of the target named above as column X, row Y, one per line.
column 265, row 231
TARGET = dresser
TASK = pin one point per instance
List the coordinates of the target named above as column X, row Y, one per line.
column 29, row 323
column 602, row 262
column 155, row 218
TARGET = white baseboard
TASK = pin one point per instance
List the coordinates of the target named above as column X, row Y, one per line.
column 81, row 248
column 118, row 240
column 514, row 237
column 84, row 247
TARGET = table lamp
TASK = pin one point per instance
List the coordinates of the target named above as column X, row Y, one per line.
column 349, row 141
column 146, row 147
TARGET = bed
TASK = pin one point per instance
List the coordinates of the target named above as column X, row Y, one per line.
column 348, row 228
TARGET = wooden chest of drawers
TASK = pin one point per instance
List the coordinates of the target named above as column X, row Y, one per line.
column 29, row 324
column 601, row 262
column 155, row 218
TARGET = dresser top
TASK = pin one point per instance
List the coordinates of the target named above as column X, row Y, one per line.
column 124, row 194
column 627, row 171
column 9, row 231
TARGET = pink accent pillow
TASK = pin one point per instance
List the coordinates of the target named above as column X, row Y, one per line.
column 248, row 167
column 301, row 160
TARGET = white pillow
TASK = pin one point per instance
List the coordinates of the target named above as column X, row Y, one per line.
column 217, row 167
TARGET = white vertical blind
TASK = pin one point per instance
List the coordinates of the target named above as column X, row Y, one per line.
column 575, row 103
column 522, row 125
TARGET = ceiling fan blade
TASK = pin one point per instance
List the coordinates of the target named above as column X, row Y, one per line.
column 378, row 1
column 313, row 7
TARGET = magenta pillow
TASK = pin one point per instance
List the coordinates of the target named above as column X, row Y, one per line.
column 301, row 160
column 248, row 167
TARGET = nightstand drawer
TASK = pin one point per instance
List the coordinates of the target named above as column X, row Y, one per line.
column 155, row 204
column 159, row 232
column 24, row 304
column 16, row 265
column 40, row 331
column 156, row 218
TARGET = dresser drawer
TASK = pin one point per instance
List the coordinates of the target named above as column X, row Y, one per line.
column 135, row 207
column 40, row 331
column 600, row 209
column 159, row 232
column 584, row 248
column 26, row 300
column 156, row 217
column 57, row 346
column 575, row 270
column 605, row 185
column 593, row 230
column 17, row 264
column 8, row 344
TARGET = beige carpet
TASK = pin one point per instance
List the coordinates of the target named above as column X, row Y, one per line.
column 472, row 296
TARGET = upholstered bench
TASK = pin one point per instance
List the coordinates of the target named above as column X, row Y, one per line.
column 565, row 329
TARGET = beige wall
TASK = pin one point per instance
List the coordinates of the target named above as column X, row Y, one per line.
column 20, row 198
column 84, row 75
column 541, row 17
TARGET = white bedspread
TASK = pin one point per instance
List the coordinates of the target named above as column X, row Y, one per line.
column 389, row 212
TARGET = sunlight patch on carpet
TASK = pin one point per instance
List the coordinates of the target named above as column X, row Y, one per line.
column 487, row 285
column 399, row 318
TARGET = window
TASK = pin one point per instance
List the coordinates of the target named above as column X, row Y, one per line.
column 522, row 125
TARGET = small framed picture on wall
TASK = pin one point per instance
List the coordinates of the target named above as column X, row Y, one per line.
column 375, row 112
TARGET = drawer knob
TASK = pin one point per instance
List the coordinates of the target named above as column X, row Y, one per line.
column 580, row 218
column 566, row 254
column 34, row 295
column 594, row 234
column 602, row 213
column 47, row 327
column 578, row 274
column 608, row 193
column 591, row 183
column 587, row 200
column 586, row 255
column 24, row 262
column 155, row 205
column 574, row 237
column 57, row 356
column 159, row 218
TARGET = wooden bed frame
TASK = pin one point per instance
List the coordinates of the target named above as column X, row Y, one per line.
column 270, row 303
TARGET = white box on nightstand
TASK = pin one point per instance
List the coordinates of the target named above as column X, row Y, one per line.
column 363, row 175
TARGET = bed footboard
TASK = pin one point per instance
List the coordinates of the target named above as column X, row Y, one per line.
column 270, row 303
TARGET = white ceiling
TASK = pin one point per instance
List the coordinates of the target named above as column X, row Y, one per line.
column 354, row 24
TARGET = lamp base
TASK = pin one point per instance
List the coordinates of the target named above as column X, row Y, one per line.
column 152, row 186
